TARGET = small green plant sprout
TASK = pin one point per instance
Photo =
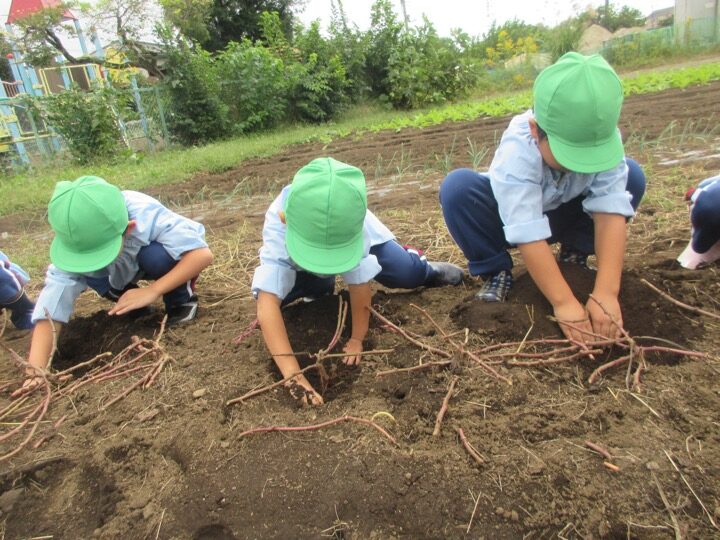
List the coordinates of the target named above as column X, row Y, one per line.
column 477, row 154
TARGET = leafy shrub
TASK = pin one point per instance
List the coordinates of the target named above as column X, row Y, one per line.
column 85, row 121
column 253, row 85
column 197, row 114
column 383, row 39
column 316, row 77
column 425, row 69
column 565, row 37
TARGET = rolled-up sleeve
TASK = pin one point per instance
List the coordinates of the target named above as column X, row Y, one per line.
column 516, row 180
column 58, row 296
column 607, row 193
column 273, row 278
column 178, row 234
column 366, row 270
column 276, row 274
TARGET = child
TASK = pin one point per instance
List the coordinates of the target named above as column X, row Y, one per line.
column 704, row 205
column 319, row 226
column 558, row 175
column 12, row 293
column 108, row 239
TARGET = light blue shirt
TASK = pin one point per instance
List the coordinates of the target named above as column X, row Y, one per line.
column 525, row 187
column 276, row 273
column 153, row 223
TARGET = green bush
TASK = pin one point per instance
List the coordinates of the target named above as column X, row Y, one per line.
column 85, row 121
column 253, row 85
column 383, row 38
column 317, row 78
column 197, row 114
column 425, row 69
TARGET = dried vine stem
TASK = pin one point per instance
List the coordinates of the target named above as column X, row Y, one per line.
column 444, row 407
column 412, row 340
column 320, row 426
column 461, row 349
column 469, row 447
column 420, row 367
column 321, row 355
column 679, row 303
column 33, row 415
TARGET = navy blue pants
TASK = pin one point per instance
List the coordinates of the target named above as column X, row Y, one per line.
column 401, row 269
column 154, row 263
column 10, row 287
column 472, row 217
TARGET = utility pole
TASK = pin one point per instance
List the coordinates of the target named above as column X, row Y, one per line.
column 405, row 15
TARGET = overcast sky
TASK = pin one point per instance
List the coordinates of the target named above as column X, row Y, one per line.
column 473, row 16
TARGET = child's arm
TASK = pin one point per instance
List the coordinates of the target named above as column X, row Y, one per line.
column 360, row 297
column 41, row 346
column 276, row 339
column 544, row 270
column 610, row 235
column 190, row 265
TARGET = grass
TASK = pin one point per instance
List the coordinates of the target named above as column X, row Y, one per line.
column 32, row 189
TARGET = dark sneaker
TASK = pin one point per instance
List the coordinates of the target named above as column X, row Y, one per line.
column 184, row 313
column 496, row 287
column 444, row 274
column 574, row 257
column 21, row 312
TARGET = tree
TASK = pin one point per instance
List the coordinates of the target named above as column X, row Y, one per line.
column 42, row 35
column 235, row 20
column 612, row 18
column 5, row 49
column 190, row 17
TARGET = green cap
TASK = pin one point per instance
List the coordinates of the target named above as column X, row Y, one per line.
column 577, row 103
column 324, row 212
column 89, row 217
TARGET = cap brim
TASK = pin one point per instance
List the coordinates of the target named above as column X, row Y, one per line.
column 324, row 260
column 87, row 261
column 588, row 159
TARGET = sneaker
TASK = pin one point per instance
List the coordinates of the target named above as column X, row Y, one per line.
column 444, row 274
column 496, row 287
column 569, row 255
column 183, row 313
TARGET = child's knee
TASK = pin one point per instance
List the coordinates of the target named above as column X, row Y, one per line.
column 462, row 186
column 154, row 261
column 636, row 182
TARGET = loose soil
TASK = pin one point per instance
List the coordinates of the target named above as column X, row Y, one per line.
column 169, row 462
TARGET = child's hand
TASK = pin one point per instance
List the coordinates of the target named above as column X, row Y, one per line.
column 302, row 391
column 30, row 384
column 134, row 299
column 602, row 319
column 354, row 346
column 578, row 327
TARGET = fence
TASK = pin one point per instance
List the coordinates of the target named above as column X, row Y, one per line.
column 693, row 33
column 26, row 140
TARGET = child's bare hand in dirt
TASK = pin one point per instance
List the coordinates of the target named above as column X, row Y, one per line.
column 30, row 384
column 302, row 391
column 605, row 312
column 354, row 346
column 134, row 299
column 578, row 327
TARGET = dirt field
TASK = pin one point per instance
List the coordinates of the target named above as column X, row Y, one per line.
column 169, row 461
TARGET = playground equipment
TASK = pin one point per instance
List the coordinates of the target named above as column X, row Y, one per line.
column 19, row 129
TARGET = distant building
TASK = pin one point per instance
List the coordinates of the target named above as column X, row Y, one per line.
column 657, row 17
column 697, row 20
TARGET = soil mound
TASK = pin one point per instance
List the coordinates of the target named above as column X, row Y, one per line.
column 644, row 313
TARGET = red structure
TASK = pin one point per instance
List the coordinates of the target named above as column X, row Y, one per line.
column 23, row 8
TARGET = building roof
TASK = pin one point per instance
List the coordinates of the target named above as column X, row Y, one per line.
column 23, row 8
